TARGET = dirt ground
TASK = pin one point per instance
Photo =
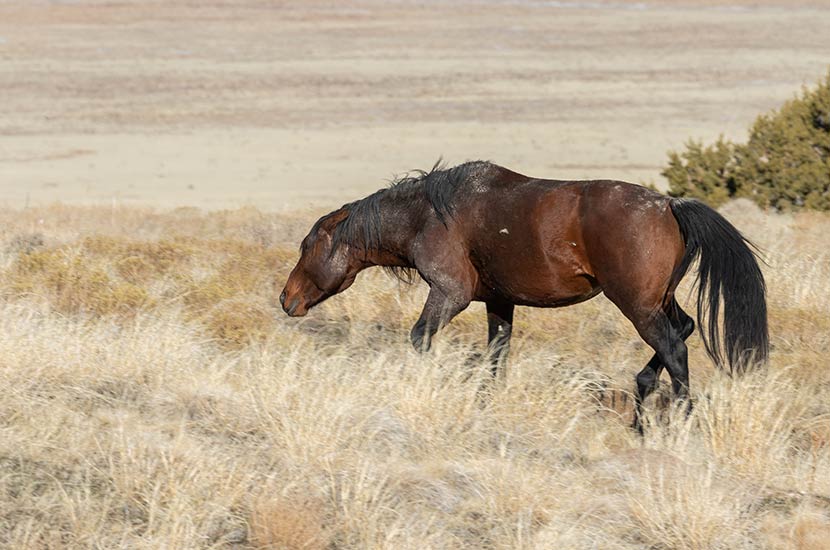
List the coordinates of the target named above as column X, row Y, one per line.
column 295, row 104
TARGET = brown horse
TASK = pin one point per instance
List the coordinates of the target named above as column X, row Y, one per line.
column 479, row 231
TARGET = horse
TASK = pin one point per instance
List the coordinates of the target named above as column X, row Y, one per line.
column 481, row 232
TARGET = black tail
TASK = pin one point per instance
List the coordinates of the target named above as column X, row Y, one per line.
column 727, row 269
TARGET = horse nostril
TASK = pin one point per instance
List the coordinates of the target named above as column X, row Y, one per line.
column 282, row 298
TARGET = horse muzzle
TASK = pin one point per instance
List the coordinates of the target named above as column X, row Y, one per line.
column 293, row 306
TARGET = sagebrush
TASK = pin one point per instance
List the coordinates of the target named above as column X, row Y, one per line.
column 784, row 165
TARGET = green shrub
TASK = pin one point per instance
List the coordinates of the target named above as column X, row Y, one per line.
column 784, row 165
column 705, row 173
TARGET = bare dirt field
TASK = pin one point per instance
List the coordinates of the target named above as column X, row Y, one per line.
column 280, row 104
column 152, row 394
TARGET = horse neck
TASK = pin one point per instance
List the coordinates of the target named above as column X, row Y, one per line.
column 385, row 258
column 399, row 225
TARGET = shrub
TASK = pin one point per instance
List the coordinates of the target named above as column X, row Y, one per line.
column 705, row 173
column 785, row 164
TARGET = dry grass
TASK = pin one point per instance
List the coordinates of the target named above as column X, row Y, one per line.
column 155, row 398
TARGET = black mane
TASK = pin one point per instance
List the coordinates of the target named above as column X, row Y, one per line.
column 436, row 190
column 439, row 187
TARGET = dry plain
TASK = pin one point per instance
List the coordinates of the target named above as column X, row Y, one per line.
column 286, row 104
column 159, row 164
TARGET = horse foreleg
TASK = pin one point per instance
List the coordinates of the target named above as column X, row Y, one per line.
column 440, row 308
column 499, row 330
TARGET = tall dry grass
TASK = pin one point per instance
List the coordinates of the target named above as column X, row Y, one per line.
column 154, row 397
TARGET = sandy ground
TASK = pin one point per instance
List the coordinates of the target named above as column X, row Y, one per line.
column 286, row 105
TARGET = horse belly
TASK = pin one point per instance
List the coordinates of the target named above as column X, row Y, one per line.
column 554, row 285
column 530, row 251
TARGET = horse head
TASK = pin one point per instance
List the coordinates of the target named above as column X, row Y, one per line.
column 326, row 267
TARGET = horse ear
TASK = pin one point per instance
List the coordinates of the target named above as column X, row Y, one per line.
column 338, row 216
column 329, row 223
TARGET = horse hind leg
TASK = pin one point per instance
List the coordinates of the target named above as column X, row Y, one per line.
column 683, row 325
